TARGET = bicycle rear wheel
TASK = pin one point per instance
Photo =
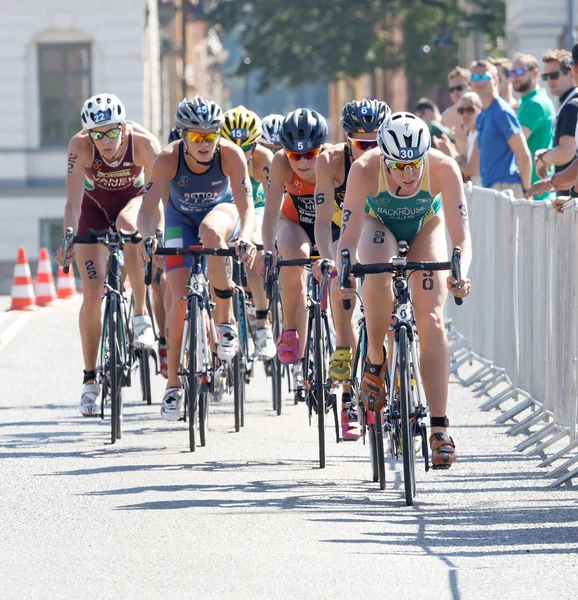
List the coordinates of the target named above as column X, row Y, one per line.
column 144, row 356
column 407, row 442
column 319, row 379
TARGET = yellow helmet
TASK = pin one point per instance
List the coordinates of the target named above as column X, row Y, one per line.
column 242, row 126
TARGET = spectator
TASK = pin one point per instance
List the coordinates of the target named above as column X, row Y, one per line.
column 505, row 161
column 503, row 65
column 427, row 110
column 560, row 77
column 458, row 85
column 469, row 107
column 536, row 112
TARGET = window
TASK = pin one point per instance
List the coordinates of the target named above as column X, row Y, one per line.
column 64, row 77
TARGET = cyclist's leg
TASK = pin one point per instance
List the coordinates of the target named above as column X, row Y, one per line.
column 429, row 293
column 159, row 293
column 142, row 326
column 264, row 335
column 346, row 337
column 293, row 242
column 91, row 260
column 216, row 228
column 177, row 280
column 377, row 244
column 127, row 220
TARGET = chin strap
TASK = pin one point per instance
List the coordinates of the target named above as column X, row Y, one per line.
column 204, row 164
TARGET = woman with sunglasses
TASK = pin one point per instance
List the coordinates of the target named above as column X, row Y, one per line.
column 205, row 187
column 396, row 193
column 289, row 219
column 108, row 162
column 360, row 122
column 243, row 128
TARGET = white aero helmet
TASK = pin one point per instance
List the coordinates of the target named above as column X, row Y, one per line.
column 403, row 137
column 271, row 125
column 199, row 113
column 102, row 109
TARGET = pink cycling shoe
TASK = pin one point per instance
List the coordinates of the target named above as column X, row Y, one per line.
column 349, row 425
column 288, row 346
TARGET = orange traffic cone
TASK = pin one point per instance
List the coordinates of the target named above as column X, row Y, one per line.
column 22, row 289
column 44, row 287
column 66, row 285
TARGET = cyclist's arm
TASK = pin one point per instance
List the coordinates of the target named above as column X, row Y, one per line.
column 448, row 182
column 262, row 165
column 147, row 148
column 78, row 156
column 150, row 215
column 356, row 194
column 273, row 199
column 324, row 193
column 235, row 167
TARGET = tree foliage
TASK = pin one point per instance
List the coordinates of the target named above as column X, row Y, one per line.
column 301, row 41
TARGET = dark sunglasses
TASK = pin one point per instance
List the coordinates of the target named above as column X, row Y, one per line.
column 457, row 88
column 555, row 74
column 310, row 155
column 363, row 144
column 111, row 134
column 248, row 147
column 466, row 109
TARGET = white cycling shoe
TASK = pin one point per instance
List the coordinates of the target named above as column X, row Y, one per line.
column 143, row 334
column 264, row 344
column 172, row 404
column 89, row 406
column 227, row 341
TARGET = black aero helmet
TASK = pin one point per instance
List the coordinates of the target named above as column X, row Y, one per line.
column 303, row 130
column 364, row 116
column 174, row 135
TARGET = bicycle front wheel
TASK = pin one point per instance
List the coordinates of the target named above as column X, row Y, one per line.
column 115, row 369
column 319, row 380
column 275, row 363
column 145, row 374
column 407, row 443
column 192, row 379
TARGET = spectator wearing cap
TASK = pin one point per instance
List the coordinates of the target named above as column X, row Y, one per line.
column 559, row 75
column 427, row 110
column 503, row 65
column 505, row 161
column 458, row 85
column 469, row 107
column 536, row 112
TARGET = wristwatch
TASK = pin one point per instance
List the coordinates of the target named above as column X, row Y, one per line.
column 541, row 157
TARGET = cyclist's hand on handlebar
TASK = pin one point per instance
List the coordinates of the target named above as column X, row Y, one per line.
column 464, row 289
column 60, row 259
column 144, row 253
column 248, row 257
column 316, row 267
column 345, row 293
column 260, row 262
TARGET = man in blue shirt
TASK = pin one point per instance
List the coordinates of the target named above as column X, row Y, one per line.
column 505, row 161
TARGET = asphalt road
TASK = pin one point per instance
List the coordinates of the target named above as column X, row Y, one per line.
column 251, row 515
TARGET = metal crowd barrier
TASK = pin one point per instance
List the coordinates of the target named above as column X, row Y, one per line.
column 520, row 321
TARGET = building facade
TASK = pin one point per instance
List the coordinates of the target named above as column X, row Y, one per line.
column 56, row 53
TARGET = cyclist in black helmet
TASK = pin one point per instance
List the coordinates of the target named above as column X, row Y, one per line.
column 360, row 122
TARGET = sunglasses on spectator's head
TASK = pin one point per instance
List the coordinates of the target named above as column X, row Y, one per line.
column 484, row 77
column 466, row 109
column 458, row 88
column 555, row 74
column 519, row 71
column 111, row 134
column 197, row 138
column 363, row 144
column 404, row 166
column 296, row 156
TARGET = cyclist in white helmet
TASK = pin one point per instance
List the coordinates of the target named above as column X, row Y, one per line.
column 204, row 184
column 271, row 125
column 108, row 163
column 401, row 191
